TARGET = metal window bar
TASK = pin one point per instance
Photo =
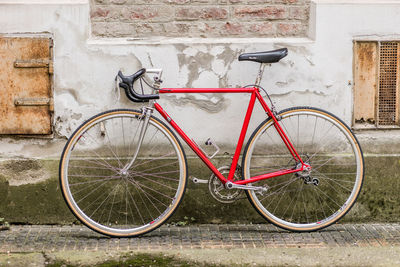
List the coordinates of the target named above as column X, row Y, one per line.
column 388, row 89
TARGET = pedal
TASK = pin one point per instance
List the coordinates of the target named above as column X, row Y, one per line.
column 209, row 142
column 197, row 180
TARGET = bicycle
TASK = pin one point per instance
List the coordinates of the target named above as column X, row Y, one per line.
column 123, row 172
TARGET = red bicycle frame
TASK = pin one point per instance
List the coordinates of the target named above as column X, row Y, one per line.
column 255, row 93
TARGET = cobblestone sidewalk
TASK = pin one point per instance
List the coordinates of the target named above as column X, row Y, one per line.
column 37, row 238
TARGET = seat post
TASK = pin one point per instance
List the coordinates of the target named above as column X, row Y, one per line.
column 260, row 74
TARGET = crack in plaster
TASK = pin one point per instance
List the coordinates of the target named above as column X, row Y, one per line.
column 305, row 92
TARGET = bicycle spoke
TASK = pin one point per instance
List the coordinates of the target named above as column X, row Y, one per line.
column 156, row 176
column 101, row 204
column 143, row 201
column 95, row 181
column 137, row 209
column 147, row 195
column 160, row 166
column 148, row 161
column 153, row 181
column 333, row 180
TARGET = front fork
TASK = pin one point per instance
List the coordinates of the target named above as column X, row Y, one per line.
column 145, row 117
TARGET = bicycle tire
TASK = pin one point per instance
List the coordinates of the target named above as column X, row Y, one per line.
column 122, row 204
column 336, row 177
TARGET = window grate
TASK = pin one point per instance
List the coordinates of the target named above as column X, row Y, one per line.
column 387, row 92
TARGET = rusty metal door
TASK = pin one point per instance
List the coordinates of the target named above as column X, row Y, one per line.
column 26, row 103
column 365, row 81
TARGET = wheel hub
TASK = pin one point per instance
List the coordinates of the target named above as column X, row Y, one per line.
column 305, row 174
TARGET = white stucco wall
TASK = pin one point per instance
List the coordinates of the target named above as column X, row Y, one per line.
column 317, row 72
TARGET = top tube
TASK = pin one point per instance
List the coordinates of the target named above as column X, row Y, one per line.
column 207, row 90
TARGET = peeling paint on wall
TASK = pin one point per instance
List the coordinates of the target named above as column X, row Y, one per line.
column 205, row 69
column 213, row 103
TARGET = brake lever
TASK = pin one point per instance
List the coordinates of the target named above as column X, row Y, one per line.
column 117, row 88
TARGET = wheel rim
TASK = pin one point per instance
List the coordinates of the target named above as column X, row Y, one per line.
column 307, row 201
column 115, row 202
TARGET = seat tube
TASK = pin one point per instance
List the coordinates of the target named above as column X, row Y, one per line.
column 242, row 135
column 260, row 74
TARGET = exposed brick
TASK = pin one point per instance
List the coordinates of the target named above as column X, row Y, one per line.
column 262, row 28
column 196, row 13
column 225, row 29
column 289, row 28
column 118, row 2
column 147, row 13
column 299, row 12
column 170, row 2
column 288, row 1
column 199, row 18
column 100, row 13
column 205, row 2
column 178, row 29
column 101, row 2
column 259, row 2
column 231, row 28
column 251, row 2
column 107, row 29
column 152, row 29
column 265, row 12
column 179, row 2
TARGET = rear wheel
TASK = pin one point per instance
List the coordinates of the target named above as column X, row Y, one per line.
column 312, row 200
column 110, row 200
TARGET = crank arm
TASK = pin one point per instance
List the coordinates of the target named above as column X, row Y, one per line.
column 197, row 180
column 261, row 189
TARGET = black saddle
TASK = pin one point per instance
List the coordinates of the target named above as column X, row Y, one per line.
column 265, row 57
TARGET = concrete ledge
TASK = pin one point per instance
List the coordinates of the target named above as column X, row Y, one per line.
column 166, row 40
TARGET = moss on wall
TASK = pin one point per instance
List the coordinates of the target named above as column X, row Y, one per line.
column 42, row 203
column 33, row 203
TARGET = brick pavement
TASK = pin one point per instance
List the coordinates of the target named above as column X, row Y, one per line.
column 37, row 238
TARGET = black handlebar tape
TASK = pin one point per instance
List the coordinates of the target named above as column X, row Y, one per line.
column 127, row 84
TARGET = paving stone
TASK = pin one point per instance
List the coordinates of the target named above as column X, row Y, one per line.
column 363, row 229
column 37, row 238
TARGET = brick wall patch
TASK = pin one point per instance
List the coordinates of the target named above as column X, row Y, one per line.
column 199, row 18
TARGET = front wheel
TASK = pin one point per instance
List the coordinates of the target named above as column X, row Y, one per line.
column 103, row 193
column 305, row 201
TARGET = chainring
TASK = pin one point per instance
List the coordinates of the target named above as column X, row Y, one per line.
column 218, row 190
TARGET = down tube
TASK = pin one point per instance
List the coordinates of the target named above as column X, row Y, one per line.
column 190, row 143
